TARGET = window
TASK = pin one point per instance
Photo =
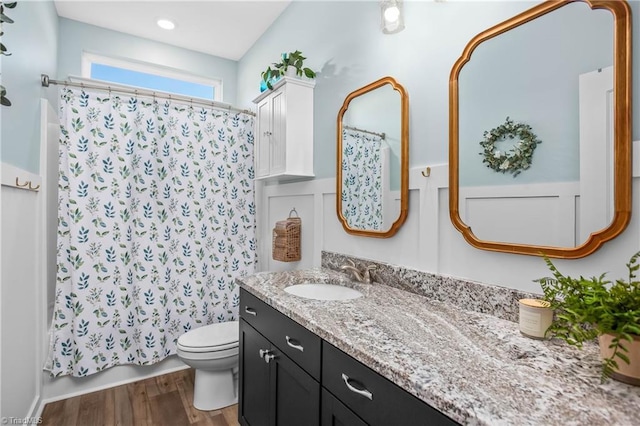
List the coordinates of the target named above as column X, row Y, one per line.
column 151, row 77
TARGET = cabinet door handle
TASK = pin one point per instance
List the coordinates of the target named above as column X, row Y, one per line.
column 362, row 392
column 293, row 345
column 263, row 352
column 268, row 358
column 250, row 311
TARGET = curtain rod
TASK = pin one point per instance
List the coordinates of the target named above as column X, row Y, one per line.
column 380, row 135
column 46, row 81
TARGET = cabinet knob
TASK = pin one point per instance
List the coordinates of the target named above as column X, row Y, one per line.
column 267, row 133
column 362, row 392
column 268, row 358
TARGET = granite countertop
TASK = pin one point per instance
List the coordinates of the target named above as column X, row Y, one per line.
column 473, row 367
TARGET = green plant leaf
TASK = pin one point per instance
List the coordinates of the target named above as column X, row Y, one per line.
column 277, row 69
column 623, row 357
column 635, row 329
column 11, row 5
column 588, row 307
column 5, row 18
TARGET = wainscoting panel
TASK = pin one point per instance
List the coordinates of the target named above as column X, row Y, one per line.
column 429, row 242
column 401, row 248
column 315, row 201
column 278, row 209
column 20, row 312
column 541, row 214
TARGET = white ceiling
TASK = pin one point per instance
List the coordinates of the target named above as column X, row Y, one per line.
column 224, row 28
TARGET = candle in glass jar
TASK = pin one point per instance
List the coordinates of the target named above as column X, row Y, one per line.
column 535, row 317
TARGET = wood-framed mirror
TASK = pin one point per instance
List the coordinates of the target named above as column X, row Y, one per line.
column 562, row 71
column 372, row 178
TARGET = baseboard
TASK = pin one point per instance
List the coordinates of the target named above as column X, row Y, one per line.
column 89, row 389
column 35, row 411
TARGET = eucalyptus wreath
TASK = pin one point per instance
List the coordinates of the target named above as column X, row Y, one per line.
column 517, row 158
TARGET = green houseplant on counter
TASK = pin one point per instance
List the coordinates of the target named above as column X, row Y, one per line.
column 291, row 63
column 595, row 307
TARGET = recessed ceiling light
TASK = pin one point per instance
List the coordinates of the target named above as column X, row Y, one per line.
column 166, row 24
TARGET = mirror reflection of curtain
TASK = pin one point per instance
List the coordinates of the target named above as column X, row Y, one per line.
column 362, row 180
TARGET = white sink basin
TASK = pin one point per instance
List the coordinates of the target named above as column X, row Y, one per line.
column 319, row 291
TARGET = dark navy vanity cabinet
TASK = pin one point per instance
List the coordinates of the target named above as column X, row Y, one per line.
column 291, row 377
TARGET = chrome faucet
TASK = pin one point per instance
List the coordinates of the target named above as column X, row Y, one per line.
column 364, row 276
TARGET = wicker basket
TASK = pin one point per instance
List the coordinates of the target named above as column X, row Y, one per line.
column 286, row 239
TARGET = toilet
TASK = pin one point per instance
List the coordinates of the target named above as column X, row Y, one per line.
column 212, row 350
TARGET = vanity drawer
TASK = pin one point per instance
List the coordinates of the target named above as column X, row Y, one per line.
column 374, row 398
column 257, row 313
column 298, row 343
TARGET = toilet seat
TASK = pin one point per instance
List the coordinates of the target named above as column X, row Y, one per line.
column 220, row 337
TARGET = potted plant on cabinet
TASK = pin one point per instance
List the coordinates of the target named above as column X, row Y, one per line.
column 595, row 307
column 292, row 64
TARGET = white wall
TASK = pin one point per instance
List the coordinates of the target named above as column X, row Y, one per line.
column 77, row 37
column 427, row 241
column 32, row 39
column 20, row 310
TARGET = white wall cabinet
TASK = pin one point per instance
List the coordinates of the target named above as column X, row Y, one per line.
column 284, row 131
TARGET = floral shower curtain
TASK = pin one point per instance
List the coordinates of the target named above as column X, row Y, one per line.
column 362, row 179
column 155, row 220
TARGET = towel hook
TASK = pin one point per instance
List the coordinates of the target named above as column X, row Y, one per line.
column 22, row 185
column 426, row 172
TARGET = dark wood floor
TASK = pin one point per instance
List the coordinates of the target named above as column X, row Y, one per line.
column 163, row 400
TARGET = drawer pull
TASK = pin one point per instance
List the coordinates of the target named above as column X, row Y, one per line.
column 263, row 352
column 250, row 311
column 362, row 392
column 293, row 345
